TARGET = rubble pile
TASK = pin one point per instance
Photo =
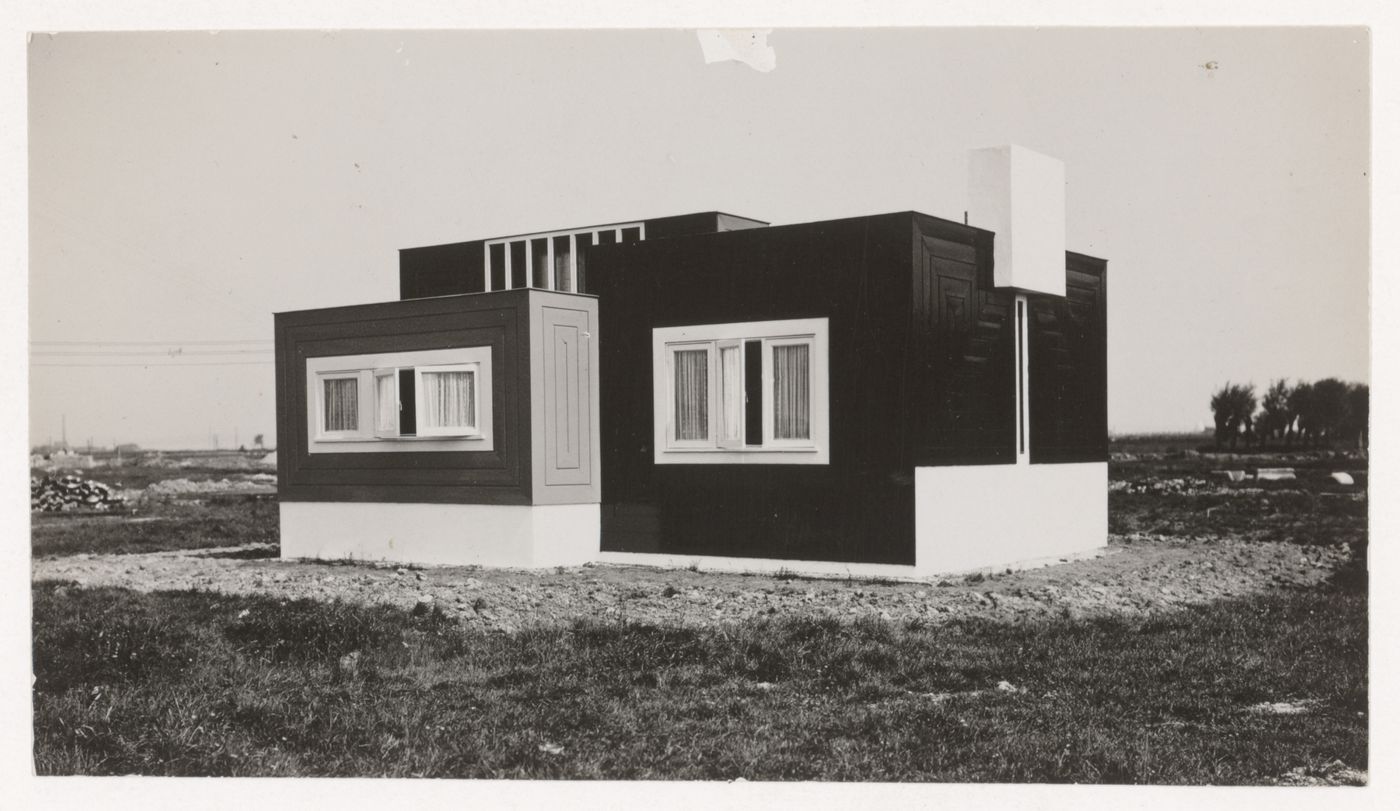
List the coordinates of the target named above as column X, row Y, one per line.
column 256, row 483
column 66, row 493
column 1186, row 486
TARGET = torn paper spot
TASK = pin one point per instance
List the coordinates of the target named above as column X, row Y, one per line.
column 747, row 45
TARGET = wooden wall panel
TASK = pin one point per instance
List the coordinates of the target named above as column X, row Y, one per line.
column 962, row 406
column 567, row 441
column 441, row 270
column 857, row 508
column 500, row 476
column 1069, row 369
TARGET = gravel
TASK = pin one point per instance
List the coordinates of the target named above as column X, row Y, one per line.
column 1138, row 574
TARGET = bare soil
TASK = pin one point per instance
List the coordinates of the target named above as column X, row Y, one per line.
column 1138, row 574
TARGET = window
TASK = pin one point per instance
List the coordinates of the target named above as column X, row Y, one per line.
column 426, row 400
column 741, row 393
column 550, row 260
column 340, row 404
column 405, row 401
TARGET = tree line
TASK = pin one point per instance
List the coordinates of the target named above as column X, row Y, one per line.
column 1314, row 415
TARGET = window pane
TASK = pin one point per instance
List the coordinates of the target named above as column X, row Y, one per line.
column 449, row 399
column 408, row 411
column 792, row 405
column 519, row 265
column 731, row 389
column 539, row 262
column 386, row 404
column 753, row 385
column 692, row 394
column 342, row 404
column 561, row 264
column 498, row 266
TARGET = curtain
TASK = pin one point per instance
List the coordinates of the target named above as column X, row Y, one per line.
column 448, row 399
column 692, row 394
column 386, row 403
column 342, row 404
column 792, row 406
column 732, row 390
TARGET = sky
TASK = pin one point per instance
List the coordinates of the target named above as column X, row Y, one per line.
column 186, row 185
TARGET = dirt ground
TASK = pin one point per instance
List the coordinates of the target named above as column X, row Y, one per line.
column 1137, row 574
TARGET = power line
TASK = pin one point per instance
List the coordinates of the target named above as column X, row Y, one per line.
column 175, row 353
column 150, row 343
column 160, row 365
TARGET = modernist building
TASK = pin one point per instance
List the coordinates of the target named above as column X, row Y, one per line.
column 891, row 395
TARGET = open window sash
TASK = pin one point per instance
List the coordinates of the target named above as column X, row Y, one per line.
column 731, row 398
column 386, row 402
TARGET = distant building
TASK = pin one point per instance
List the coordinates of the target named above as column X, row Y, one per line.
column 890, row 395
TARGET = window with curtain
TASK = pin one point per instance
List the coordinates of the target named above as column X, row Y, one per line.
column 792, row 391
column 692, row 394
column 448, row 400
column 421, row 398
column 340, row 404
column 754, row 392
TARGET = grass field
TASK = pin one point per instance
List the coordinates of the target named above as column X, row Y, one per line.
column 199, row 684
column 159, row 526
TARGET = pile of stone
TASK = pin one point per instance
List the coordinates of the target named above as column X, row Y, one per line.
column 255, row 483
column 68, row 493
column 1185, row 486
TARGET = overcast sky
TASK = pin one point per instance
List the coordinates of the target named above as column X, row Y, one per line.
column 185, row 186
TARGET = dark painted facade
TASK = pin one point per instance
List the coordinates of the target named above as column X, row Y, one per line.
column 921, row 366
column 500, row 476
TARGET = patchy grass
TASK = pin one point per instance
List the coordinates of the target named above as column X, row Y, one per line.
column 193, row 683
column 185, row 524
column 1300, row 516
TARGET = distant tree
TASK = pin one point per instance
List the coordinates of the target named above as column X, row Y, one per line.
column 258, row 441
column 1234, row 407
column 1275, row 416
column 1300, row 406
column 1357, row 427
column 1330, row 407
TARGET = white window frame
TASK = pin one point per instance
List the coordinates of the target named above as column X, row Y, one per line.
column 320, row 408
column 812, row 332
column 710, row 390
column 369, row 438
column 419, row 401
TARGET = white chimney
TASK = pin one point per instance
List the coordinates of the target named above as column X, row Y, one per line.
column 1019, row 195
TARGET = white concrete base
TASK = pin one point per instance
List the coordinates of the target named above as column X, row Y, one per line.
column 972, row 517
column 451, row 534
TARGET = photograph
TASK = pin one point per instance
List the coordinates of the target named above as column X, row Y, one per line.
column 883, row 405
